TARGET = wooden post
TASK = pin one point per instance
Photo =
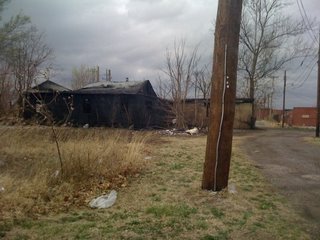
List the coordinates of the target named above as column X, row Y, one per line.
column 284, row 97
column 318, row 94
column 109, row 75
column 272, row 93
column 98, row 74
column 195, row 103
column 223, row 96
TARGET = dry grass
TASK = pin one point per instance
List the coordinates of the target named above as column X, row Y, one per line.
column 166, row 202
column 94, row 160
column 313, row 140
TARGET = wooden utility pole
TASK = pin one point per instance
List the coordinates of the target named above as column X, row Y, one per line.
column 284, row 97
column 272, row 93
column 98, row 74
column 223, row 96
column 195, row 102
column 108, row 75
column 318, row 94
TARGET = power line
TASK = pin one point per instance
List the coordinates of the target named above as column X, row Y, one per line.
column 309, row 24
column 306, row 21
column 304, row 72
column 298, row 85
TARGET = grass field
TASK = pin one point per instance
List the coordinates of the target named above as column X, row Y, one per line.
column 160, row 197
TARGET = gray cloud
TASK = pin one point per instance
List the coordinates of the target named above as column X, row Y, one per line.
column 128, row 36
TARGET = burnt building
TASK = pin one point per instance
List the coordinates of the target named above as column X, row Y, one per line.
column 47, row 101
column 117, row 104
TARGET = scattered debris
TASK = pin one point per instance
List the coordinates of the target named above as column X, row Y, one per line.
column 148, row 158
column 193, row 131
column 181, row 132
column 104, row 201
column 86, row 126
column 169, row 132
column 1, row 189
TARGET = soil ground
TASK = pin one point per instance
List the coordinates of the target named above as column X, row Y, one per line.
column 291, row 163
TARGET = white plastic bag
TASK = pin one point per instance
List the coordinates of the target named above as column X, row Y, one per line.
column 104, row 201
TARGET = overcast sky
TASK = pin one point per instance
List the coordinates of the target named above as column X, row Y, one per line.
column 130, row 37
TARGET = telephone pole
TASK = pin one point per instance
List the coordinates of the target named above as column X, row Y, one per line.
column 284, row 98
column 98, row 74
column 223, row 95
column 272, row 93
column 318, row 93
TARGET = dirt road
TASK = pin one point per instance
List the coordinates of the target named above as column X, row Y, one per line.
column 292, row 165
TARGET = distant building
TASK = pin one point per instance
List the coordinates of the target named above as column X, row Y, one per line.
column 197, row 112
column 304, row 116
column 298, row 116
column 270, row 114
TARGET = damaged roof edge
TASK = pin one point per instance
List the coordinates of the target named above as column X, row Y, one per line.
column 49, row 86
column 133, row 87
column 102, row 87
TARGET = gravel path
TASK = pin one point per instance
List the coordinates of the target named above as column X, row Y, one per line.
column 292, row 165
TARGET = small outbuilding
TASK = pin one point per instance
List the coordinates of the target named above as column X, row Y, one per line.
column 47, row 100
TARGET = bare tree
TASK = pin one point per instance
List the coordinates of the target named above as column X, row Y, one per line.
column 10, row 33
column 23, row 53
column 84, row 75
column 202, row 90
column 203, row 82
column 26, row 57
column 269, row 39
column 180, row 68
column 163, row 89
column 5, row 89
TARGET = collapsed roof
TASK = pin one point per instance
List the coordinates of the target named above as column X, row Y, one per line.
column 132, row 87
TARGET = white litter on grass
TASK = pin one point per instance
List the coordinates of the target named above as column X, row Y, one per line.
column 1, row 189
column 232, row 188
column 193, row 131
column 104, row 201
column 147, row 158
